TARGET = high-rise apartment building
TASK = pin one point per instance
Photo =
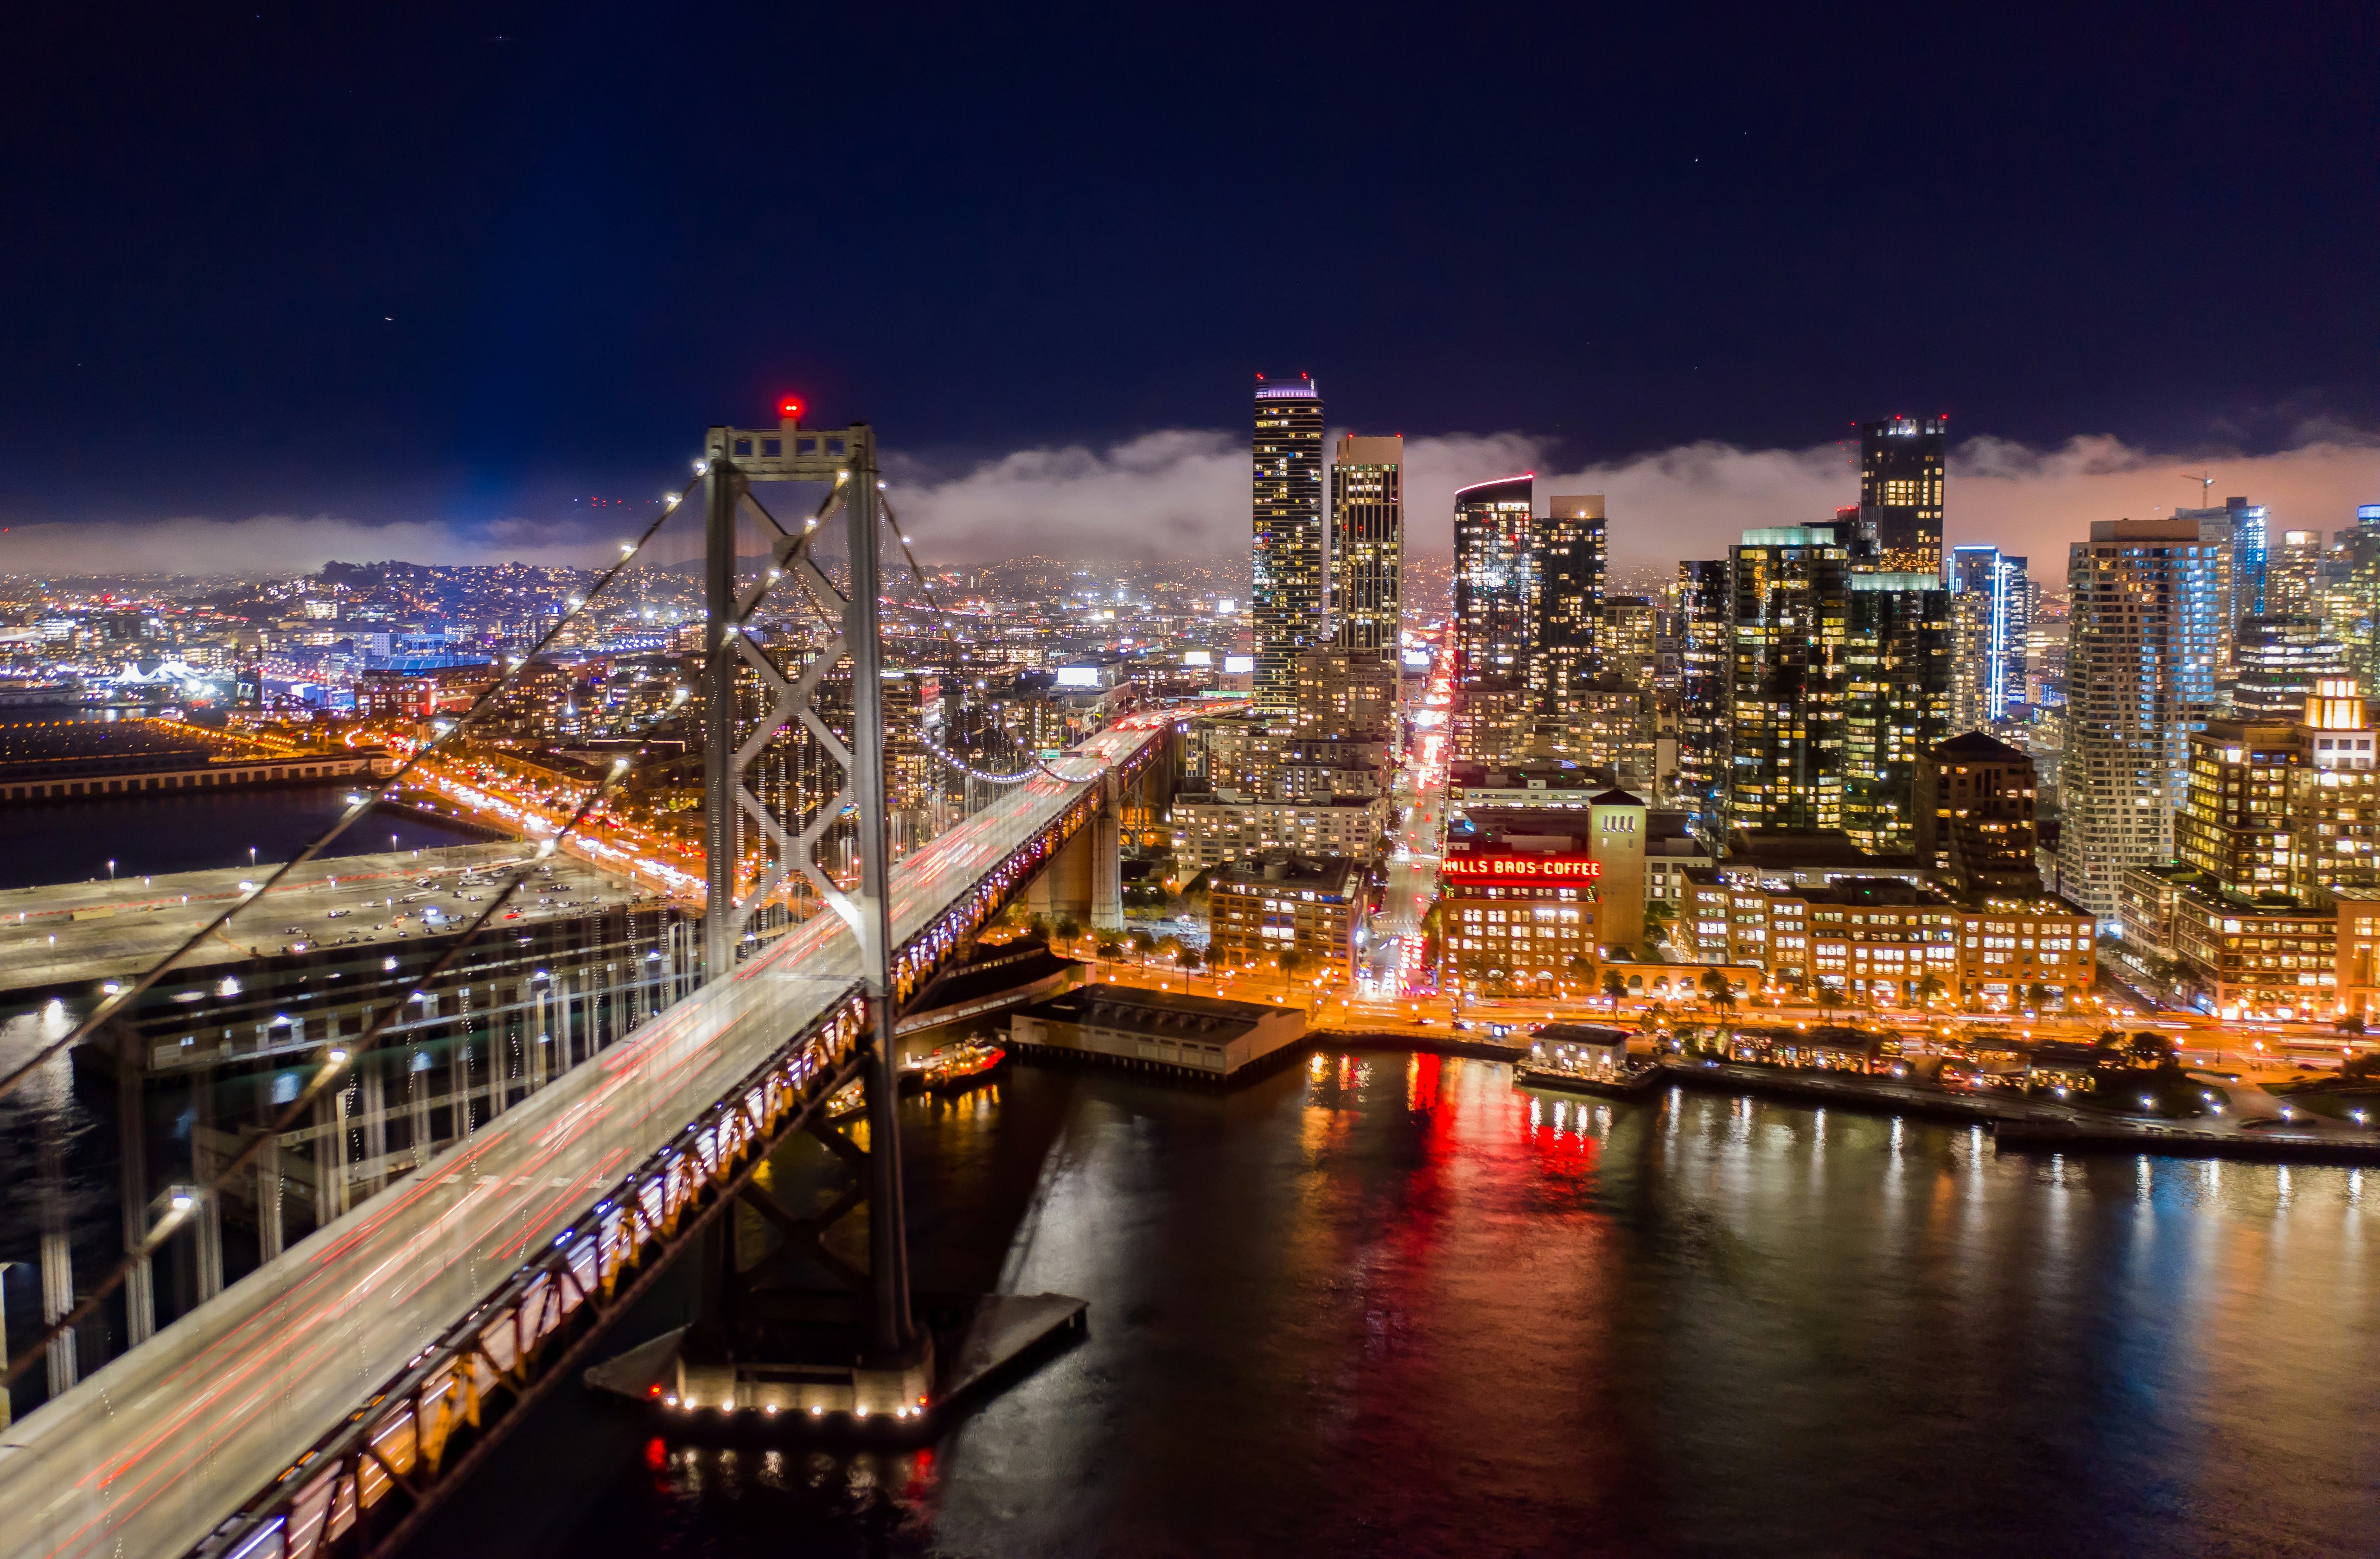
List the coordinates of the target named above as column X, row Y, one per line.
column 1991, row 610
column 1494, row 587
column 2245, row 524
column 1286, row 559
column 1896, row 679
column 1367, row 542
column 2146, row 636
column 2281, row 659
column 1786, row 593
column 1566, row 616
column 2283, row 805
column 2294, row 581
column 1630, row 643
column 1706, row 616
column 2352, row 593
column 2236, row 531
column 1900, row 490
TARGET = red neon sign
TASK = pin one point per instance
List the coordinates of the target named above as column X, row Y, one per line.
column 1521, row 868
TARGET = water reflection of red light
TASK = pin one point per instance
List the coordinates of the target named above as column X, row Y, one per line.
column 921, row 1474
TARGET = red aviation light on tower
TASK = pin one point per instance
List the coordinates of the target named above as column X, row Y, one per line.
column 789, row 409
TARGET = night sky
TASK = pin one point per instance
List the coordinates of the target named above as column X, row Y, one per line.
column 422, row 262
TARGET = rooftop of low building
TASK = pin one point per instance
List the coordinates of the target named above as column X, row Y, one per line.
column 1146, row 1011
column 1976, row 747
column 1279, row 870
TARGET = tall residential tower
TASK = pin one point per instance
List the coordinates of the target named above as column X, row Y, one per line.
column 1991, row 615
column 1493, row 583
column 1286, row 557
column 1566, row 618
column 1367, row 542
column 1900, row 490
column 2147, row 632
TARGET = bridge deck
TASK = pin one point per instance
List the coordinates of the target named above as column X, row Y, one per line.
column 149, row 1453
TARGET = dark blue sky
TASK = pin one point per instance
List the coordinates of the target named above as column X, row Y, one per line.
column 417, row 261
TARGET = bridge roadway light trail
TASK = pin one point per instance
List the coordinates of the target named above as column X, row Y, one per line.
column 149, row 1453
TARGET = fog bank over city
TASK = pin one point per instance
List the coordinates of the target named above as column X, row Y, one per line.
column 1185, row 492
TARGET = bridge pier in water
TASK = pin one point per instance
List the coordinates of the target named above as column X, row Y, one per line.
column 854, row 1349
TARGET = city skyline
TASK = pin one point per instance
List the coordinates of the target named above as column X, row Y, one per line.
column 906, row 779
column 1185, row 494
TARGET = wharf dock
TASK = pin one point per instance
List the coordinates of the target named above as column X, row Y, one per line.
column 1633, row 1081
column 2130, row 1137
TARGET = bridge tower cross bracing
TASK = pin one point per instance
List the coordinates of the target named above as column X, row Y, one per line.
column 734, row 459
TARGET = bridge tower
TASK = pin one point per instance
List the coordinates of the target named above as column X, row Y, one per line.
column 734, row 459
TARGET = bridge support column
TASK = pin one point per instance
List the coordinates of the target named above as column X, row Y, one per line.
column 207, row 1223
column 1106, row 836
column 57, row 1257
column 1068, row 886
column 139, row 1285
column 722, row 820
column 268, row 1186
column 892, row 1326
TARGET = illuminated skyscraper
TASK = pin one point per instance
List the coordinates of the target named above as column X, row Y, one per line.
column 1367, row 542
column 1787, row 588
column 2294, row 581
column 1566, row 617
column 1900, row 490
column 1286, row 558
column 1629, row 643
column 2281, row 658
column 2352, row 592
column 2146, row 634
column 2243, row 524
column 1493, row 588
column 1896, row 701
column 1705, row 662
column 1991, row 609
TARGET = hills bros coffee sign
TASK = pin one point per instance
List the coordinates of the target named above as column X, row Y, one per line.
column 1519, row 870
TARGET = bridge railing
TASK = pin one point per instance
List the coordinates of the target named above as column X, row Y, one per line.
column 537, row 1325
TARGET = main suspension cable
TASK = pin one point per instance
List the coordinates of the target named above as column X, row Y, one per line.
column 334, row 1059
column 131, row 991
column 1035, row 764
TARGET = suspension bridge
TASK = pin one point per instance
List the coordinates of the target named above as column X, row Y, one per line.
column 323, row 1403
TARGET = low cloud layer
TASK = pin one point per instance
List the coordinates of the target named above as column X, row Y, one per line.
column 276, row 546
column 1185, row 493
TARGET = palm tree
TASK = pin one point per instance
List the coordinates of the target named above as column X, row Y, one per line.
column 1930, row 989
column 2150, row 1050
column 1614, row 986
column 1831, row 995
column 1718, row 992
column 1068, row 928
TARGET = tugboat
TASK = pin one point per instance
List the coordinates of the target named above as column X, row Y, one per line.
column 952, row 1069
